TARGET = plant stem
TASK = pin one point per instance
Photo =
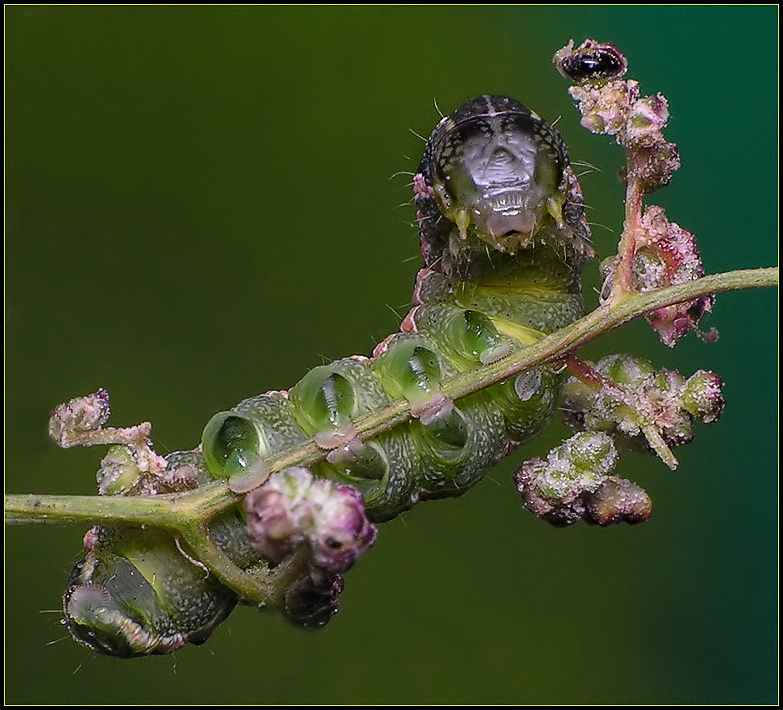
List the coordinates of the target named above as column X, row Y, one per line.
column 626, row 249
column 187, row 515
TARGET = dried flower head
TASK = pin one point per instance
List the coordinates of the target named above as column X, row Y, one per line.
column 662, row 399
column 293, row 509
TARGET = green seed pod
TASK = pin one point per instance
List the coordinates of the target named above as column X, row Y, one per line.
column 119, row 472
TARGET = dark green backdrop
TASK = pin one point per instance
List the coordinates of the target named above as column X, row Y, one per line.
column 201, row 205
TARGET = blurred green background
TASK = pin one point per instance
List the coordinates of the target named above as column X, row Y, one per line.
column 201, row 205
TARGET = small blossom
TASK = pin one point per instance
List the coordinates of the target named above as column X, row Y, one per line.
column 554, row 489
column 81, row 415
column 667, row 255
column 293, row 509
column 647, row 119
column 119, row 472
column 80, row 422
column 613, row 106
column 654, row 165
column 663, row 399
column 702, row 396
column 575, row 482
column 272, row 525
column 606, row 109
column 341, row 531
column 616, row 500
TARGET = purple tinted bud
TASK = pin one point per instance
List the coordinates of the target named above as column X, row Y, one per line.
column 667, row 255
column 340, row 531
column 561, row 512
column 648, row 117
column 575, row 482
column 617, row 500
column 80, row 415
column 272, row 526
column 294, row 509
column 554, row 489
column 702, row 396
column 605, row 109
column 633, row 398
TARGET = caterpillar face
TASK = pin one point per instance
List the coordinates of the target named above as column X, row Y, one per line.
column 494, row 169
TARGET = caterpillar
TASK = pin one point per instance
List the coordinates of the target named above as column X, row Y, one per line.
column 503, row 240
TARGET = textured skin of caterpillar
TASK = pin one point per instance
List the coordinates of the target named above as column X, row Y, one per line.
column 503, row 239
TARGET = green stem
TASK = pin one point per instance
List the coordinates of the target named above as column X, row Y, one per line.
column 187, row 514
column 626, row 249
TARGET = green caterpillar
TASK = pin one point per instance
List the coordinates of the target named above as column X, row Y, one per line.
column 503, row 239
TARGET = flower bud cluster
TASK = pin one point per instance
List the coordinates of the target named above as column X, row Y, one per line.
column 574, row 483
column 295, row 513
column 612, row 105
column 667, row 255
column 131, row 466
column 663, row 398
column 293, row 509
column 73, row 422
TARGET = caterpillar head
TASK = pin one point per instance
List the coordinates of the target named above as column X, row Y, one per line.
column 499, row 174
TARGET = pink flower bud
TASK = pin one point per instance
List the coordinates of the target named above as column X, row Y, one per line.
column 80, row 415
column 702, row 396
column 272, row 525
column 667, row 255
column 554, row 489
column 341, row 531
column 294, row 509
column 617, row 500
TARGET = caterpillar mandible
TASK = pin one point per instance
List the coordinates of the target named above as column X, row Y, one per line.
column 503, row 240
